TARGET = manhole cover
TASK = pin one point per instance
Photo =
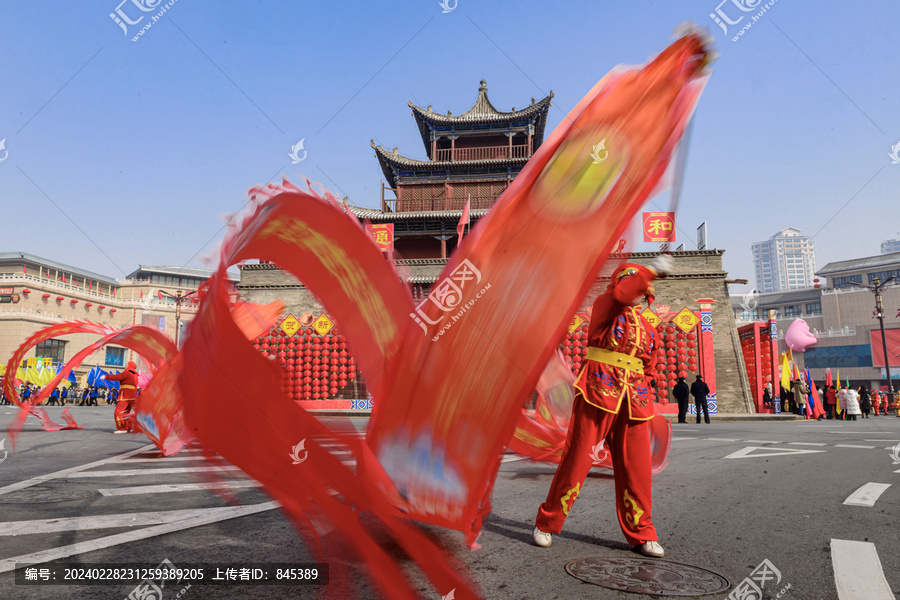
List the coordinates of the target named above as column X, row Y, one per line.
column 39, row 495
column 647, row 576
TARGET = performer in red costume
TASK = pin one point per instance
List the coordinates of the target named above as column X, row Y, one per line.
column 124, row 415
column 612, row 403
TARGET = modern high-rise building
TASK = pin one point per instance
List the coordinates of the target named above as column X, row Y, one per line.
column 786, row 261
column 890, row 246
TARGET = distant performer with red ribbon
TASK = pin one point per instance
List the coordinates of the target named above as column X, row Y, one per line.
column 128, row 381
column 612, row 404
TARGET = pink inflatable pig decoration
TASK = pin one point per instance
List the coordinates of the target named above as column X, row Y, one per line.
column 798, row 336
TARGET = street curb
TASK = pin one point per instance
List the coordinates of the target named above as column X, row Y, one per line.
column 740, row 418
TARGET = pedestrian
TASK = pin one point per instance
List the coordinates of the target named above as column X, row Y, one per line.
column 699, row 390
column 800, row 391
column 884, row 402
column 852, row 399
column 124, row 414
column 94, row 393
column 612, row 404
column 681, row 393
column 63, row 396
column 830, row 397
column 85, row 395
column 26, row 393
column 865, row 402
column 767, row 396
column 875, row 399
column 54, row 397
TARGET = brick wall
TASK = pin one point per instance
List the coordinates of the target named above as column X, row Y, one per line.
column 698, row 274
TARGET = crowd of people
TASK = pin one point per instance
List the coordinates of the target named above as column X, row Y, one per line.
column 62, row 395
column 844, row 404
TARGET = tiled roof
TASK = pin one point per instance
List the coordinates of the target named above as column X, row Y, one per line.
column 373, row 214
column 483, row 111
column 862, row 264
column 387, row 159
column 22, row 257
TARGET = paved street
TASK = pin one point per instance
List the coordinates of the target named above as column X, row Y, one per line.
column 733, row 495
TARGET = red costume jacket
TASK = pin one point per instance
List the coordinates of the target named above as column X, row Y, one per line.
column 617, row 325
column 128, row 380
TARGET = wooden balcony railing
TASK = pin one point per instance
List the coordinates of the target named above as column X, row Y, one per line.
column 422, row 205
column 483, row 153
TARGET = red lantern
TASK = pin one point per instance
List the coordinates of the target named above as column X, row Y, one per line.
column 333, row 391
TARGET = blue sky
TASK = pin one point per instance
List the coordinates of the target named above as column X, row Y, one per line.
column 144, row 144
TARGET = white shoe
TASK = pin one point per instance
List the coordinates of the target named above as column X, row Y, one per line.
column 120, row 431
column 541, row 538
column 652, row 548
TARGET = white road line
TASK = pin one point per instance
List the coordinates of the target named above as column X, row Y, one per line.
column 675, row 439
column 854, row 446
column 857, row 571
column 68, row 472
column 108, row 521
column 763, row 441
column 807, row 444
column 721, row 440
column 513, row 458
column 867, row 495
column 208, row 516
column 136, row 472
column 160, row 459
column 748, row 452
column 881, row 441
column 177, row 487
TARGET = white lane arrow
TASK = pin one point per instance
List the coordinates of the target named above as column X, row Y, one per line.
column 748, row 452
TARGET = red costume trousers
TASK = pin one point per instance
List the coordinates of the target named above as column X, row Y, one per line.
column 629, row 443
column 124, row 415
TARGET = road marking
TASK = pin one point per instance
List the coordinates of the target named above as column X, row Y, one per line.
column 769, row 451
column 867, row 495
column 109, row 521
column 513, row 458
column 807, row 444
column 13, row 487
column 177, row 487
column 721, row 440
column 854, row 446
column 208, row 516
column 164, row 471
column 763, row 441
column 857, row 571
column 675, row 439
column 881, row 440
column 160, row 459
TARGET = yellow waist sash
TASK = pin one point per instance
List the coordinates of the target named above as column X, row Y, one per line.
column 616, row 359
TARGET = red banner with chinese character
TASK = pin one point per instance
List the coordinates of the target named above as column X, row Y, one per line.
column 659, row 226
column 383, row 234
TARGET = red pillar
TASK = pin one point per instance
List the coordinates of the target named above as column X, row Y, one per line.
column 776, row 376
column 707, row 352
